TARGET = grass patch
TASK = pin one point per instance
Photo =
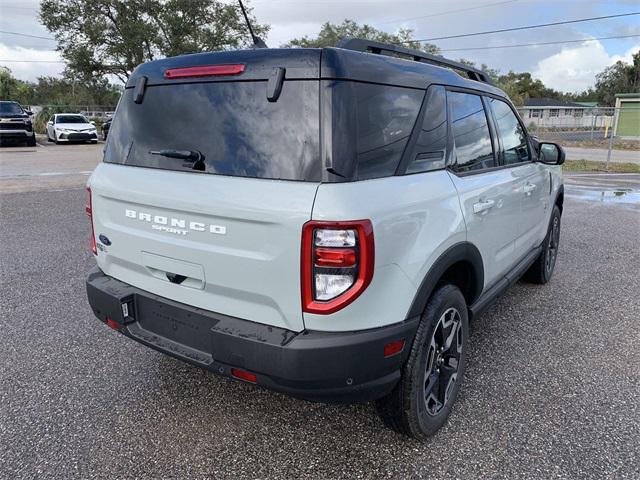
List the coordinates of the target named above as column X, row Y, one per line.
column 592, row 166
column 618, row 144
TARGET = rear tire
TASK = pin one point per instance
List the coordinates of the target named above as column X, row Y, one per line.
column 542, row 269
column 430, row 380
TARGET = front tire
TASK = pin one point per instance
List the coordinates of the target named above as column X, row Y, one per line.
column 31, row 142
column 542, row 269
column 430, row 380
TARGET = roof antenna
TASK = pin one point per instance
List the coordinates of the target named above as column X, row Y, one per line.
column 257, row 41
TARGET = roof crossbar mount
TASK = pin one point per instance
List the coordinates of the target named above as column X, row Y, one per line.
column 371, row 46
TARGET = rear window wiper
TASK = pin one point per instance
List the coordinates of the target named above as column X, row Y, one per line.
column 183, row 154
column 189, row 155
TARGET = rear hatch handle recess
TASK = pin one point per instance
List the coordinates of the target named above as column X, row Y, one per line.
column 188, row 155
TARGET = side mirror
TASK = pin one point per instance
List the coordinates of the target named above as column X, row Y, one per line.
column 551, row 153
column 28, row 112
column 92, row 122
column 49, row 122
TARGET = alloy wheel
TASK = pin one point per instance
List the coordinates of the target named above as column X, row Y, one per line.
column 443, row 360
column 552, row 247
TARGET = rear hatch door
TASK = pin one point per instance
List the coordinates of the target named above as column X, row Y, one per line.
column 221, row 230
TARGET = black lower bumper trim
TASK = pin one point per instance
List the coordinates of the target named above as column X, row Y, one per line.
column 317, row 366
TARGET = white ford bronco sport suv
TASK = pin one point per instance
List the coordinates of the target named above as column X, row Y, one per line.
column 320, row 222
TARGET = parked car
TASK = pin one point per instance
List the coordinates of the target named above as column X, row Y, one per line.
column 320, row 222
column 15, row 124
column 105, row 128
column 71, row 127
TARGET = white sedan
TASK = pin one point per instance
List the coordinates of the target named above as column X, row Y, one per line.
column 71, row 127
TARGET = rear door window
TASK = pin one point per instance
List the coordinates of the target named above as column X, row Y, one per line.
column 471, row 135
column 515, row 148
column 232, row 125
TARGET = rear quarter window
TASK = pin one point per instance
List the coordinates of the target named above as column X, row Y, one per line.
column 371, row 125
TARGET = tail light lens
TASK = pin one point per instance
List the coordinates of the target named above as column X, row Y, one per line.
column 89, row 209
column 337, row 264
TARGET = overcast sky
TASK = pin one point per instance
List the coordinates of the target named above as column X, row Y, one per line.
column 569, row 67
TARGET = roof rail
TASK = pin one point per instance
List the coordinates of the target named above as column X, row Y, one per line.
column 371, row 46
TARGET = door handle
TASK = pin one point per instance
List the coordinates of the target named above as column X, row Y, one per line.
column 529, row 187
column 483, row 206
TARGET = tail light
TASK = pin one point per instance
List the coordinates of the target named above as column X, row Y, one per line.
column 89, row 209
column 336, row 264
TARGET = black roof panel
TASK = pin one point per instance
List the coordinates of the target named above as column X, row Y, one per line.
column 312, row 63
column 300, row 63
column 369, row 67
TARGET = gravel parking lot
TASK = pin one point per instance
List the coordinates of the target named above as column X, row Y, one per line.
column 552, row 387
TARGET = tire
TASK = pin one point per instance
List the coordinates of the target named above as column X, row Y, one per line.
column 409, row 409
column 94, row 141
column 49, row 139
column 541, row 270
column 31, row 142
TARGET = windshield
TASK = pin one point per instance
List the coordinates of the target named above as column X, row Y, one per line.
column 71, row 119
column 232, row 125
column 10, row 108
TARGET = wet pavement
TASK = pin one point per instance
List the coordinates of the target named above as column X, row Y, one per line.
column 604, row 188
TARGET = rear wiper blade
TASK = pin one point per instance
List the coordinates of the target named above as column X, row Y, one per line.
column 193, row 155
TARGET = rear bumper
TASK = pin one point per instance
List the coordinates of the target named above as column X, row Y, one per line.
column 316, row 366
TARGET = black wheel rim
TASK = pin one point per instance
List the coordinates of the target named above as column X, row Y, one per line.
column 444, row 352
column 552, row 246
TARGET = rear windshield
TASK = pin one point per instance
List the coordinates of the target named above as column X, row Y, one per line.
column 71, row 119
column 232, row 125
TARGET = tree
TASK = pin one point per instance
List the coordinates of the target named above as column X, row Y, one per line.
column 13, row 89
column 112, row 37
column 620, row 77
column 330, row 34
column 62, row 92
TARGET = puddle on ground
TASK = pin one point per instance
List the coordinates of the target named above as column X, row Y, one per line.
column 619, row 195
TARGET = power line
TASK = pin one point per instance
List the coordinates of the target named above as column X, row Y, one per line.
column 527, row 27
column 33, row 61
column 486, row 5
column 443, row 50
column 538, row 44
column 26, row 35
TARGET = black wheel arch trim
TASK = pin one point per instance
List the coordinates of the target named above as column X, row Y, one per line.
column 460, row 252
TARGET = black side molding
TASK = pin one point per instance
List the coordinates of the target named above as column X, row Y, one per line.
column 494, row 292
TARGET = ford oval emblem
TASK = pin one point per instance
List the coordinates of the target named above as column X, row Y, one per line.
column 104, row 239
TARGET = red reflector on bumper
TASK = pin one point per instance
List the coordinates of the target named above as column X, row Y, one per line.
column 392, row 348
column 204, row 71
column 113, row 324
column 243, row 375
